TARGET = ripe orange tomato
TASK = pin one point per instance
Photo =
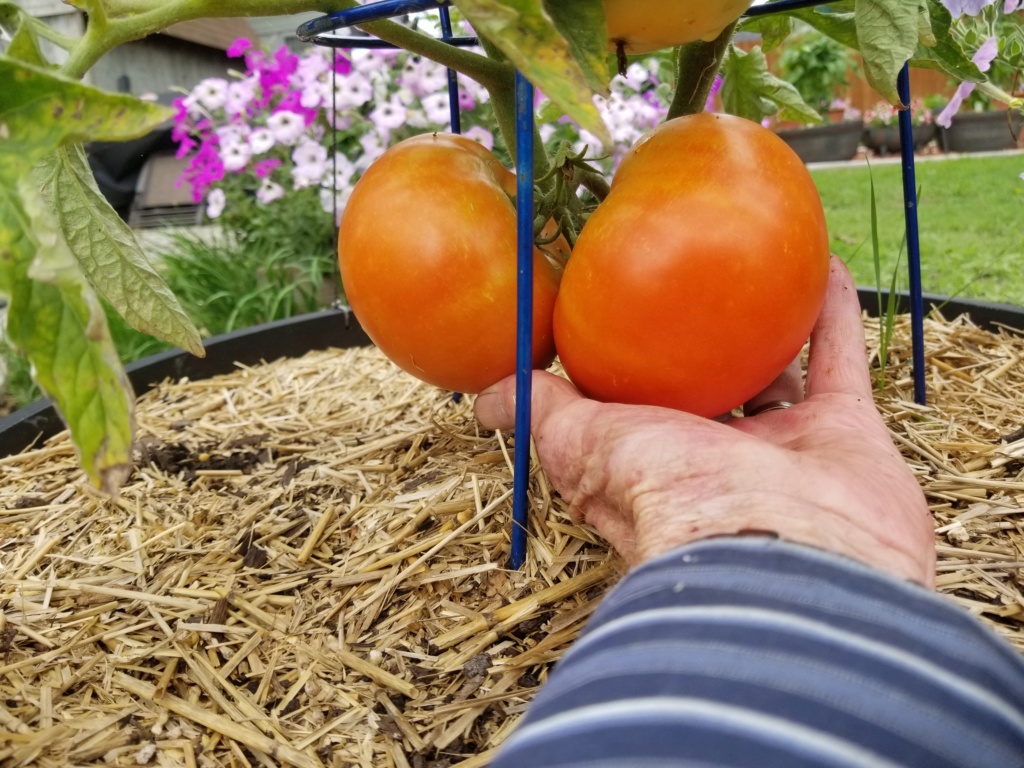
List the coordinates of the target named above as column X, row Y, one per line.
column 427, row 248
column 641, row 26
column 700, row 276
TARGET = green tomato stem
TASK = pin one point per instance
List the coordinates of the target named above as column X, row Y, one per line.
column 596, row 184
column 46, row 32
column 697, row 65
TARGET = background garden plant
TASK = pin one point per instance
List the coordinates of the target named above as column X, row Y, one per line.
column 64, row 247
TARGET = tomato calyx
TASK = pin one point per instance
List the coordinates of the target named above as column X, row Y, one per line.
column 559, row 198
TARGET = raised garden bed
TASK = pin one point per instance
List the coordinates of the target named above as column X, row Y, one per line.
column 307, row 566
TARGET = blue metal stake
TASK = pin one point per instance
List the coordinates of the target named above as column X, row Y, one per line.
column 317, row 30
column 364, row 14
column 913, row 240
column 453, row 78
column 524, row 323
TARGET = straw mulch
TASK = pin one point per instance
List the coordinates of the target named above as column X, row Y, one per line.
column 308, row 565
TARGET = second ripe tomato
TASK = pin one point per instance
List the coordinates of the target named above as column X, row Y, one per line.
column 427, row 249
column 641, row 26
column 700, row 276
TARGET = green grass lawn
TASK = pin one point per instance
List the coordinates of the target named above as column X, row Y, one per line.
column 971, row 216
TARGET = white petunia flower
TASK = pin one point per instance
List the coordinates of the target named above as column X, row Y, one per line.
column 269, row 191
column 215, row 203
column 211, row 92
column 261, row 140
column 286, row 126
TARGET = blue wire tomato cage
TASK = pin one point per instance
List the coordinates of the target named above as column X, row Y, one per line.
column 318, row 31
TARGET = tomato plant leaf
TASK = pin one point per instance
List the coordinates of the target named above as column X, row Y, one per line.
column 773, row 29
column 840, row 26
column 751, row 91
column 108, row 251
column 527, row 35
column 40, row 110
column 23, row 44
column 887, row 33
column 582, row 24
column 925, row 33
column 56, row 321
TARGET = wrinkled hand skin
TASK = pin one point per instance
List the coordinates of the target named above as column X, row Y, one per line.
column 824, row 473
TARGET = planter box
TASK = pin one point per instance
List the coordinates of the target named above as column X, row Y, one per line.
column 338, row 328
column 835, row 142
column 886, row 141
column 248, row 346
column 982, row 132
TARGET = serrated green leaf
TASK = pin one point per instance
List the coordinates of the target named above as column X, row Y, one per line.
column 887, row 33
column 108, row 251
column 23, row 44
column 751, row 91
column 841, row 27
column 55, row 320
column 582, row 24
column 773, row 29
column 39, row 111
column 524, row 32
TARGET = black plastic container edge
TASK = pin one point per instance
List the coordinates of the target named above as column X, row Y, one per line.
column 339, row 328
column 249, row 346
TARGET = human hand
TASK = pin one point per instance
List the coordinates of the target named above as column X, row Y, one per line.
column 823, row 472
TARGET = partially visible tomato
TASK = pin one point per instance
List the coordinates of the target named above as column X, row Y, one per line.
column 641, row 26
column 699, row 277
column 427, row 248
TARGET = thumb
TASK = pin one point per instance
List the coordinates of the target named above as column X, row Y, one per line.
column 495, row 407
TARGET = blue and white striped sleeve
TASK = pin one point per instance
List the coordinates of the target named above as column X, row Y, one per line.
column 751, row 651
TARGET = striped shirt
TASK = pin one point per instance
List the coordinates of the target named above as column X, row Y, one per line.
column 752, row 651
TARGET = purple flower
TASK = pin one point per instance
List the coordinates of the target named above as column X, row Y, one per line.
column 292, row 102
column 466, row 100
column 958, row 8
column 264, row 168
column 204, row 170
column 185, row 145
column 237, row 48
column 983, row 57
column 342, row 64
column 716, row 86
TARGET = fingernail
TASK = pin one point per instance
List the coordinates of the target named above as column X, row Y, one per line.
column 489, row 408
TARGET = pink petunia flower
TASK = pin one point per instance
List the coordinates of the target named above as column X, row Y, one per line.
column 238, row 47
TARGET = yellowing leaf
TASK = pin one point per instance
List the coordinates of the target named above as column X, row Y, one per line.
column 526, row 34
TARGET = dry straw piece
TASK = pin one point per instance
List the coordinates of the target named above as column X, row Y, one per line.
column 308, row 564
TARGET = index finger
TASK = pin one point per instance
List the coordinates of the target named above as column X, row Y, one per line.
column 838, row 356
